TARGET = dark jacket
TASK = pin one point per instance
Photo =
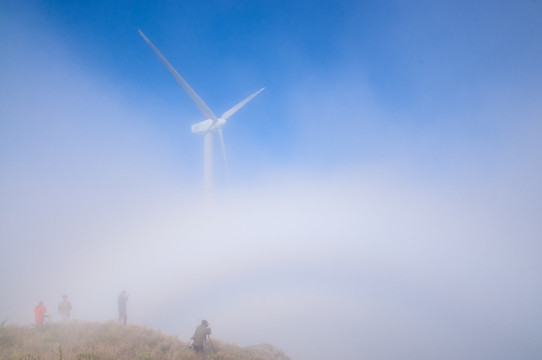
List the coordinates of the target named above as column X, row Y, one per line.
column 199, row 336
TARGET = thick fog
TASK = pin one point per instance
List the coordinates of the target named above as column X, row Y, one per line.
column 397, row 244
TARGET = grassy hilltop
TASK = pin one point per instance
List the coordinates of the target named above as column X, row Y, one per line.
column 108, row 341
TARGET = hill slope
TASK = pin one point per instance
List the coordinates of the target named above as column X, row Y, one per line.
column 104, row 341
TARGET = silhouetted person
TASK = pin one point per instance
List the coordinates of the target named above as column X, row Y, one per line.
column 123, row 315
column 200, row 335
column 65, row 308
column 39, row 313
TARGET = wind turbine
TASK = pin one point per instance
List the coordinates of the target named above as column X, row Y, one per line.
column 206, row 127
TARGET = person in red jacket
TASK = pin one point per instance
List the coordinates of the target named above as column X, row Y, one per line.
column 39, row 313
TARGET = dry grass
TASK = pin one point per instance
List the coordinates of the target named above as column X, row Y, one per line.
column 103, row 341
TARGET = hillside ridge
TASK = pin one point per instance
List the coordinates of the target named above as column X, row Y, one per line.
column 104, row 341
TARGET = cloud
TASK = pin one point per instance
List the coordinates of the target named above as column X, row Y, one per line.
column 383, row 250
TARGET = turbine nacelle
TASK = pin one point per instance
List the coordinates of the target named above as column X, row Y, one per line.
column 207, row 126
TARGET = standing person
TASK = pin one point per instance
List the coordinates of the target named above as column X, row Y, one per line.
column 123, row 315
column 200, row 335
column 39, row 313
column 65, row 308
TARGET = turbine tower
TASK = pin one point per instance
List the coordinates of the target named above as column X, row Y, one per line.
column 206, row 127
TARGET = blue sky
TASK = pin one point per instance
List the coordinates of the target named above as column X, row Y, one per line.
column 385, row 191
column 416, row 67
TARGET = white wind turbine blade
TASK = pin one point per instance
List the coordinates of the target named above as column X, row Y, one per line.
column 234, row 109
column 221, row 137
column 205, row 110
